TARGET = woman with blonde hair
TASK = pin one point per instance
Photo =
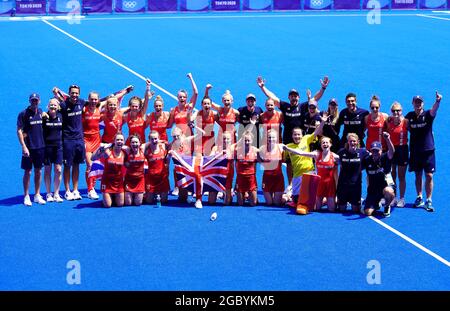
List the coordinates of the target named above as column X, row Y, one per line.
column 397, row 127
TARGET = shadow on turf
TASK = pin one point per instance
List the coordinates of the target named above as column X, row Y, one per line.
column 18, row 199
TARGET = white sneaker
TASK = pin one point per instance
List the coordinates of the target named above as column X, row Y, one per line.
column 198, row 204
column 49, row 197
column 76, row 195
column 401, row 202
column 394, row 202
column 69, row 196
column 93, row 195
column 27, row 200
column 206, row 193
column 38, row 199
column 57, row 198
column 175, row 191
column 220, row 195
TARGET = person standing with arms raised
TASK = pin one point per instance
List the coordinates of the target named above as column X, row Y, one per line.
column 421, row 147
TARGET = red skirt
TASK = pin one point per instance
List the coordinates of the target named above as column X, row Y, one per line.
column 112, row 185
column 246, row 183
column 134, row 184
column 327, row 188
column 157, row 183
column 273, row 182
column 92, row 142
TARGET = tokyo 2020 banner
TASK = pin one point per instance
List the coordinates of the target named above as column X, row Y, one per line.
column 129, row 6
column 225, row 5
column 317, row 4
column 404, row 4
column 31, row 6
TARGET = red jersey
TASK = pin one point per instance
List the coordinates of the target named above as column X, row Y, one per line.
column 399, row 132
column 326, row 171
column 246, row 163
column 112, row 126
column 112, row 179
column 227, row 121
column 159, row 124
column 91, row 121
column 275, row 157
column 136, row 126
column 181, row 120
column 271, row 121
column 134, row 177
column 375, row 131
column 156, row 161
column 206, row 124
column 91, row 129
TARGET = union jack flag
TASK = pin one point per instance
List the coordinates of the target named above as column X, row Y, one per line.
column 200, row 173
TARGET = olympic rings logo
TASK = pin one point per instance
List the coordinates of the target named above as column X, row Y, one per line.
column 129, row 4
column 316, row 2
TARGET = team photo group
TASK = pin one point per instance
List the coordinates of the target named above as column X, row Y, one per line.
column 216, row 149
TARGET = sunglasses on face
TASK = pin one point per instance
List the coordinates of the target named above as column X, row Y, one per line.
column 374, row 107
column 396, row 110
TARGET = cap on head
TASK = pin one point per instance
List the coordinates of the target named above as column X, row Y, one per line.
column 249, row 96
column 312, row 102
column 293, row 91
column 376, row 145
column 34, row 96
column 333, row 100
column 417, row 98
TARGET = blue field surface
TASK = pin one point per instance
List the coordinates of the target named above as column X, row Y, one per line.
column 260, row 248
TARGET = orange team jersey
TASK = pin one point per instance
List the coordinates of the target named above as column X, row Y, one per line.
column 91, row 129
column 246, row 163
column 206, row 124
column 227, row 121
column 112, row 179
column 375, row 131
column 136, row 126
column 156, row 161
column 112, row 126
column 271, row 121
column 275, row 157
column 134, row 177
column 181, row 120
column 326, row 170
column 159, row 124
column 399, row 132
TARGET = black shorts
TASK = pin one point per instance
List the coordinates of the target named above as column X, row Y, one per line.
column 349, row 193
column 73, row 152
column 401, row 155
column 36, row 159
column 373, row 200
column 53, row 155
column 422, row 161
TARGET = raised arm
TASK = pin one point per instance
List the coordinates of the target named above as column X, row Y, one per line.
column 435, row 107
column 148, row 95
column 193, row 99
column 319, row 129
column 213, row 104
column 324, row 84
column 389, row 144
column 59, row 95
column 262, row 85
column 311, row 154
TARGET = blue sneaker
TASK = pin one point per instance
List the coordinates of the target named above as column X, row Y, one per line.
column 419, row 202
column 428, row 206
